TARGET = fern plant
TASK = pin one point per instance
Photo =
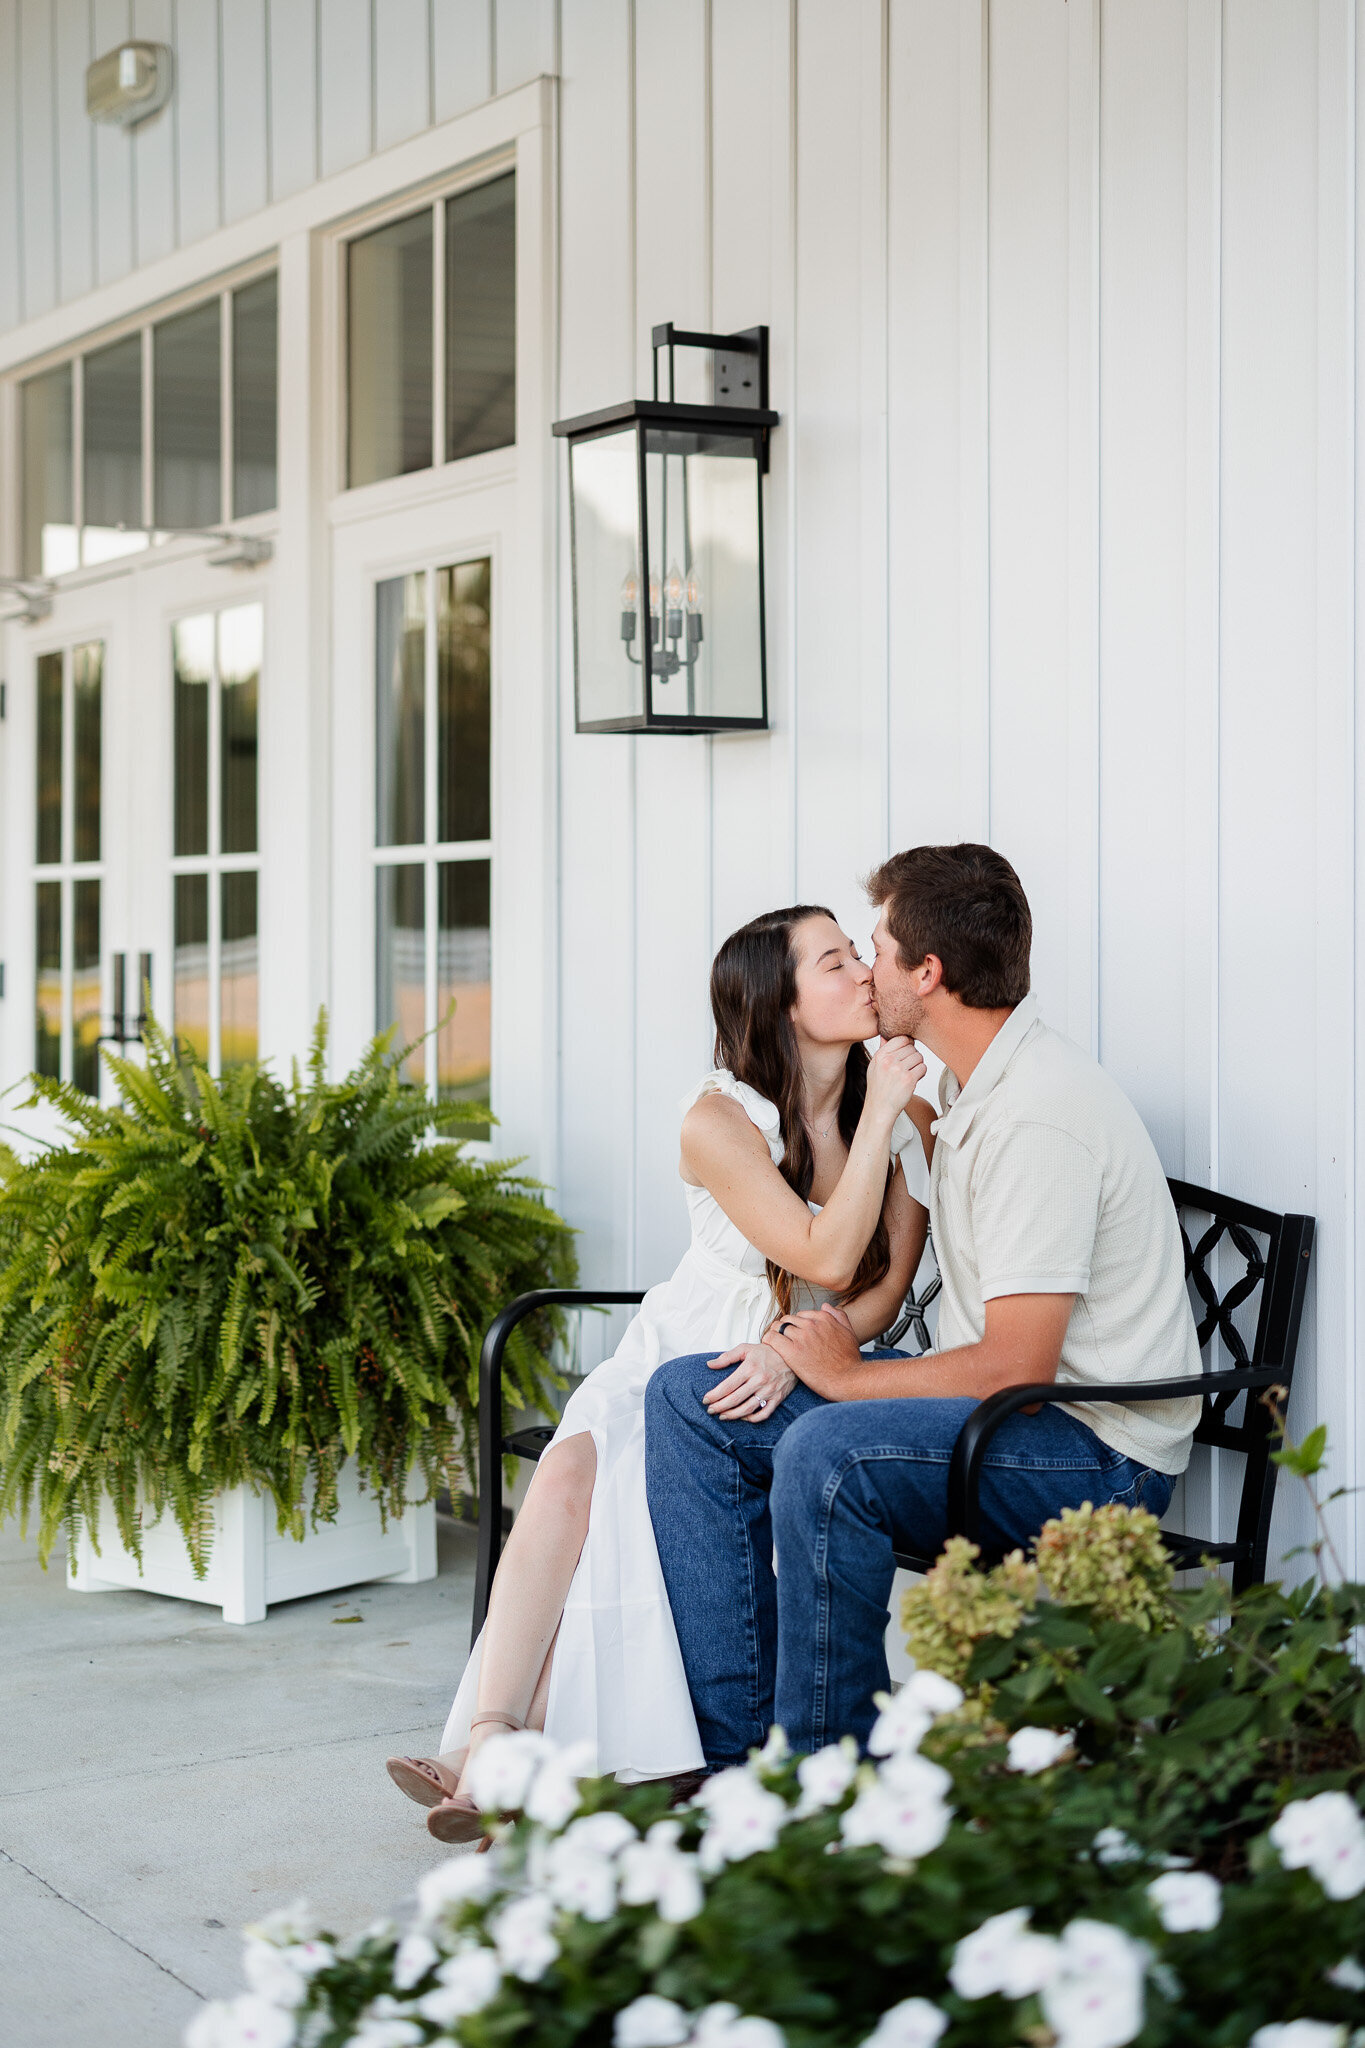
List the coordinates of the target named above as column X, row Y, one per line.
column 237, row 1281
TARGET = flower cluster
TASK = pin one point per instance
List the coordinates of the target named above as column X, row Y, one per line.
column 954, row 1607
column 1088, row 1980
column 1111, row 1559
column 1324, row 1835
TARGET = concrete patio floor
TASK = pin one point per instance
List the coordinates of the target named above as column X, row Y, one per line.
column 165, row 1778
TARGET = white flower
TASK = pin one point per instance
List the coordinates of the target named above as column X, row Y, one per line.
column 387, row 2033
column 605, row 1834
column 825, row 1777
column 289, row 1926
column 651, row 2022
column 469, row 1980
column 579, row 1880
column 1005, row 1955
column 1298, row 2034
column 415, row 1955
column 521, row 1930
column 452, row 1883
column 656, row 1872
column 914, row 2023
column 907, row 1716
column 775, row 1750
column 1094, row 1998
column 1347, row 1975
column 1187, row 1901
column 1031, row 1750
column 903, row 1809
column 245, row 2022
column 500, row 1772
column 744, row 1818
column 720, row 2026
column 1327, row 1836
column 1111, row 1845
column 554, row 1794
column 273, row 1973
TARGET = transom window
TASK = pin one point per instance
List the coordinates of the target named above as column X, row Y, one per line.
column 216, row 867
column 170, row 427
column 432, row 335
column 67, row 864
column 433, row 848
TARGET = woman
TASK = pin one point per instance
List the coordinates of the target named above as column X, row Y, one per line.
column 787, row 1150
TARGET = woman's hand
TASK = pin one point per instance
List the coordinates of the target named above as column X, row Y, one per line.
column 759, row 1383
column 894, row 1072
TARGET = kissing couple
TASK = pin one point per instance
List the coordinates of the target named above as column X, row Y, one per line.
column 707, row 1545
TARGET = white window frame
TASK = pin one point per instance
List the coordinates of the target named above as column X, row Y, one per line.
column 66, row 870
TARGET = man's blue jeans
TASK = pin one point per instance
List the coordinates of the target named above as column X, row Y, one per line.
column 835, row 1487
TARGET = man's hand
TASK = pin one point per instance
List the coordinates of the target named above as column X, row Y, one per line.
column 759, row 1383
column 820, row 1348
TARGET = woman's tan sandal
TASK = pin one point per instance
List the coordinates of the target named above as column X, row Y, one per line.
column 457, row 1818
column 426, row 1778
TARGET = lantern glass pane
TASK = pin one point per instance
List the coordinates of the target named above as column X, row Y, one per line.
column 608, row 609
column 702, row 510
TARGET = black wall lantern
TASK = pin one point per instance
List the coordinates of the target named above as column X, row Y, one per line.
column 666, row 513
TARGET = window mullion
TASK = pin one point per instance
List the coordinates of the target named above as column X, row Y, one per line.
column 211, row 865
column 148, row 452
column 438, row 339
column 429, row 799
column 225, row 408
column 78, row 448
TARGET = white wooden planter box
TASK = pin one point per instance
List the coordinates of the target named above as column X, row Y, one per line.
column 251, row 1566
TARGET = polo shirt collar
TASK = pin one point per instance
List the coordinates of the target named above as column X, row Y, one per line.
column 961, row 1104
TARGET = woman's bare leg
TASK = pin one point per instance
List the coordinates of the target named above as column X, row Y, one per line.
column 532, row 1584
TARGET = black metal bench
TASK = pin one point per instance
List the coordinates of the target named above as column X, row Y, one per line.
column 1277, row 1272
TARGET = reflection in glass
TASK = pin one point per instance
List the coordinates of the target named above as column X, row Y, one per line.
column 113, row 450
column 49, row 751
column 49, row 532
column 609, row 607
column 463, row 978
column 192, row 964
column 400, row 645
column 87, row 674
column 400, row 963
column 462, row 700
column 239, row 677
column 240, row 998
column 389, row 329
column 702, row 511
column 85, row 986
column 192, row 656
column 187, row 418
column 481, row 305
column 47, row 1049
column 254, row 349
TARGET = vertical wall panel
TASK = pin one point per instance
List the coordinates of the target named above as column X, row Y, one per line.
column 345, row 84
column 246, row 131
column 525, row 38
column 75, row 147
column 461, row 55
column 292, row 56
column 402, row 64
column 10, row 308
column 202, row 31
column 37, row 159
column 596, row 804
column 673, row 932
column 937, row 423
column 751, row 224
column 112, row 21
column 154, row 183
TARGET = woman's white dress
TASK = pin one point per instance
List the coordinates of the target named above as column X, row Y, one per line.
column 617, row 1680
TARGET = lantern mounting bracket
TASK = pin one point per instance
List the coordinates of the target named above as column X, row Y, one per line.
column 739, row 366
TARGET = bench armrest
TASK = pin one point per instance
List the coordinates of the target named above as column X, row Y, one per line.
column 969, row 1452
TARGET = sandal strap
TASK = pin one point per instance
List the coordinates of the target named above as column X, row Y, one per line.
column 511, row 1721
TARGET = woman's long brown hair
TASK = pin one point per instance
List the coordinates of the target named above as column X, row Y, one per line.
column 753, row 993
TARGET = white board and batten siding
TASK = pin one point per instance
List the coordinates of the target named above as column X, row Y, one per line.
column 1062, row 520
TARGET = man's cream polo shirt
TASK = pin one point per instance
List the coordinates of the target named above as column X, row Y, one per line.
column 1045, row 1182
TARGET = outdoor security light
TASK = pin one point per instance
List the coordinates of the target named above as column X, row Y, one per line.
column 666, row 513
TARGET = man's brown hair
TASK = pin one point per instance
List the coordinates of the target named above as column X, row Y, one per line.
column 966, row 904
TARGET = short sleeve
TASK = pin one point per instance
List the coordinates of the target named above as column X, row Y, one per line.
column 1035, row 1205
column 907, row 1146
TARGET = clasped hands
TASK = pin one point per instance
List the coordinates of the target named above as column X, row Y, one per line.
column 815, row 1346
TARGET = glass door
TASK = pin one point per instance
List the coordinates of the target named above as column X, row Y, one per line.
column 68, row 880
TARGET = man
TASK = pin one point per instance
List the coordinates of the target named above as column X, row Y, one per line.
column 1061, row 1259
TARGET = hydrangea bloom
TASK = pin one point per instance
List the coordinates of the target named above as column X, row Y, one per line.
column 526, row 1947
column 1299, row 2034
column 825, row 1777
column 1031, row 1750
column 246, row 2022
column 914, row 2023
column 651, row 2022
column 744, row 1818
column 1003, row 1955
column 1187, row 1901
column 1326, row 1835
column 469, row 1980
column 656, row 1872
column 1094, row 1998
column 902, row 1809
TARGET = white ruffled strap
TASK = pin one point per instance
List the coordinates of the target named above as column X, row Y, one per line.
column 756, row 1107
